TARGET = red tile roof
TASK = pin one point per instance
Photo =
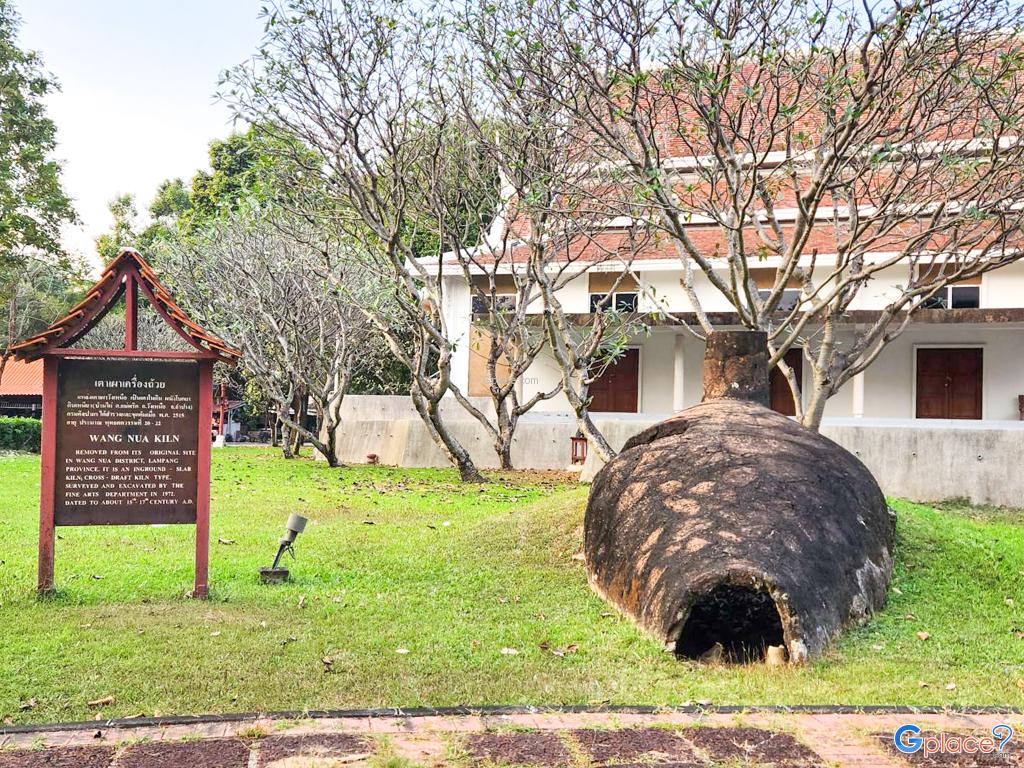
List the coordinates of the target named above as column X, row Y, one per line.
column 21, row 378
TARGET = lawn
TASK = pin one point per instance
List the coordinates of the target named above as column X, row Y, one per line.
column 411, row 589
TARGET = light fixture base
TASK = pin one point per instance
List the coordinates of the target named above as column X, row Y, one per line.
column 273, row 575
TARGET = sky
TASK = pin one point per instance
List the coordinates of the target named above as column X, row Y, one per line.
column 137, row 103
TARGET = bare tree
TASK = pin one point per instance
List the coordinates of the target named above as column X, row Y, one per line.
column 350, row 84
column 825, row 143
column 514, row 97
column 287, row 305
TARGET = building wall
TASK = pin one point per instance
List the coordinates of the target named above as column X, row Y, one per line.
column 889, row 384
column 1004, row 287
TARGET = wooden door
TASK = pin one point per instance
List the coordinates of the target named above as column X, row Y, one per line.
column 781, row 394
column 618, row 388
column 949, row 382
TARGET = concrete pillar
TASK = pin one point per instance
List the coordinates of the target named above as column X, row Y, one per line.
column 736, row 366
column 457, row 306
column 858, row 395
column 678, row 370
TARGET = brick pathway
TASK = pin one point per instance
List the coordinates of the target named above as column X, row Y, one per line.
column 672, row 739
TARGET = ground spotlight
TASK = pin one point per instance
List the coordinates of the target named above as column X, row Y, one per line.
column 275, row 574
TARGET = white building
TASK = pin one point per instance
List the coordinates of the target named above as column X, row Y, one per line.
column 961, row 362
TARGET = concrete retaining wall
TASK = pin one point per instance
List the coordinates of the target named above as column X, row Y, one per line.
column 917, row 460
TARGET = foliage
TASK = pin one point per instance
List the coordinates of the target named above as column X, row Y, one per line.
column 44, row 291
column 291, row 307
column 124, row 231
column 500, row 574
column 33, row 204
column 171, row 200
column 20, row 434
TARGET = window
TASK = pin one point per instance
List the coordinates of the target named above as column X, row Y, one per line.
column 504, row 302
column 955, row 297
column 622, row 301
column 789, row 299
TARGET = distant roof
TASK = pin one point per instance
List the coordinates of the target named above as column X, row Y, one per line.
column 21, row 378
column 107, row 290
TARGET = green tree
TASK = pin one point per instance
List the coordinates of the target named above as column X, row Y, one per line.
column 239, row 170
column 33, row 204
column 124, row 232
column 171, row 200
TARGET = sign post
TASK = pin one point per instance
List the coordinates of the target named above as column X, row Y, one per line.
column 126, row 432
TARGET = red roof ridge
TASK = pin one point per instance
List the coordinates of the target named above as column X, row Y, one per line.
column 107, row 290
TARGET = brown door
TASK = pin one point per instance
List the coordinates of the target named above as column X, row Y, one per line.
column 617, row 389
column 949, row 383
column 782, row 395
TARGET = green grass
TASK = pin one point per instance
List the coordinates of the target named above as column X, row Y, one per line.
column 454, row 574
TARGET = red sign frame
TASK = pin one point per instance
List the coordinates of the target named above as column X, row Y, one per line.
column 126, row 275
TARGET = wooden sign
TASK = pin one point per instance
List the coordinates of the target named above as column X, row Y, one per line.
column 127, row 441
column 126, row 432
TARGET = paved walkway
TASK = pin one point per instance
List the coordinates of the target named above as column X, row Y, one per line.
column 679, row 740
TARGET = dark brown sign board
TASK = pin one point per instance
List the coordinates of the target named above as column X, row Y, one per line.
column 126, row 432
column 127, row 441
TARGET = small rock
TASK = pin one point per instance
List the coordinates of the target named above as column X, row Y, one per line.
column 950, row 686
column 775, row 656
column 923, row 635
column 713, row 655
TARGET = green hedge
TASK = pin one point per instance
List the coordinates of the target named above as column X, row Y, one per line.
column 19, row 434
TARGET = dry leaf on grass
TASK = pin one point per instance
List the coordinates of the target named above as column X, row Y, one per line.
column 102, row 702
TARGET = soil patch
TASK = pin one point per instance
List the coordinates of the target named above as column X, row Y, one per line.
column 632, row 743
column 519, row 748
column 753, row 746
column 209, row 753
column 64, row 757
column 325, row 745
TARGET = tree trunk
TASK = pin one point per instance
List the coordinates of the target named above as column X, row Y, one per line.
column 504, row 451
column 815, row 410
column 295, row 437
column 594, row 436
column 506, row 429
column 452, row 448
column 286, row 434
column 328, row 440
